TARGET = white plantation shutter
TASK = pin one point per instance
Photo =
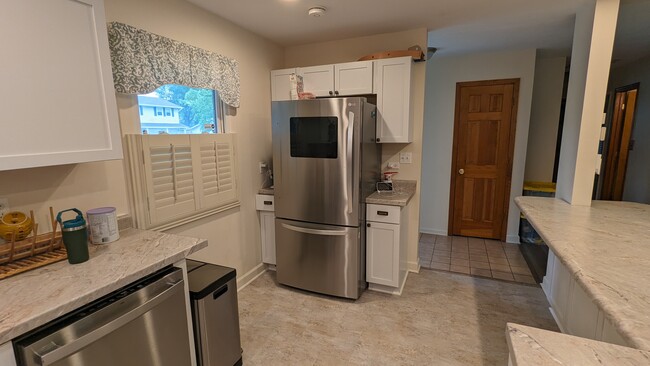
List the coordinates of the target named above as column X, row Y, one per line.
column 170, row 176
column 216, row 183
column 179, row 178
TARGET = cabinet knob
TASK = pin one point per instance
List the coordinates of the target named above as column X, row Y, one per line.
column 378, row 139
column 368, row 224
column 331, row 93
column 336, row 92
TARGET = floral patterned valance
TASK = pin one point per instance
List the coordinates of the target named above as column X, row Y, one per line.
column 144, row 61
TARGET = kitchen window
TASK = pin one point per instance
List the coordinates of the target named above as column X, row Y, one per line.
column 178, row 109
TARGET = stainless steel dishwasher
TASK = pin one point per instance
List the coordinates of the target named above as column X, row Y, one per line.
column 142, row 324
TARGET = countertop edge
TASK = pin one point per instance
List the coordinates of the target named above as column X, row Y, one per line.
column 43, row 318
column 616, row 321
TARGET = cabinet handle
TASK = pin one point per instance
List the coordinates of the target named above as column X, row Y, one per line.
column 268, row 203
column 382, row 213
column 368, row 224
column 331, row 93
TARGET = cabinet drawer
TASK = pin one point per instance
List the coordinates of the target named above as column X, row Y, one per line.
column 264, row 202
column 383, row 213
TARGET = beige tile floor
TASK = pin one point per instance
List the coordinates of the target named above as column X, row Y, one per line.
column 474, row 256
column 441, row 318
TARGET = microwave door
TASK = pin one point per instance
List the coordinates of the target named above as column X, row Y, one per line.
column 318, row 151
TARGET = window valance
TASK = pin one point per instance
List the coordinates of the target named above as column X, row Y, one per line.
column 144, row 61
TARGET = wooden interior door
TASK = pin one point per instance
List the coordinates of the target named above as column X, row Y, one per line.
column 618, row 147
column 484, row 133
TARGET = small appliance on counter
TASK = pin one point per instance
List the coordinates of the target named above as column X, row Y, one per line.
column 387, row 184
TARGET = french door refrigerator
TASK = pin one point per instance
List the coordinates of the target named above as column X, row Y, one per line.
column 326, row 162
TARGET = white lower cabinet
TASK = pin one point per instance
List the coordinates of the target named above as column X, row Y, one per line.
column 573, row 308
column 386, row 245
column 266, row 206
column 7, row 357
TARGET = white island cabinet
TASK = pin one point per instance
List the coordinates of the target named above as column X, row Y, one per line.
column 57, row 84
column 7, row 357
column 386, row 245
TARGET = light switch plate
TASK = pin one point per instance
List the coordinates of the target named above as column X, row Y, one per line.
column 406, row 158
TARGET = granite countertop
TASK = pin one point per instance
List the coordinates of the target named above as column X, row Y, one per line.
column 606, row 247
column 403, row 191
column 268, row 190
column 533, row 346
column 34, row 298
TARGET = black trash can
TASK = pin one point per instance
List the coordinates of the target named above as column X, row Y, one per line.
column 213, row 292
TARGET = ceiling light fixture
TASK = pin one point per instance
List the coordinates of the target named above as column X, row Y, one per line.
column 316, row 11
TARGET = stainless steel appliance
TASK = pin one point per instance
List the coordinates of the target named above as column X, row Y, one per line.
column 143, row 324
column 326, row 163
column 213, row 290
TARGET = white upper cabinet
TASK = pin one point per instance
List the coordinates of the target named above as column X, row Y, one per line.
column 280, row 84
column 392, row 84
column 353, row 78
column 318, row 80
column 57, row 84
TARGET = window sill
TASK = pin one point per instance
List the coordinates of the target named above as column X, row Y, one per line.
column 195, row 217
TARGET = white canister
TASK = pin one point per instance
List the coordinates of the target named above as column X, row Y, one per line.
column 102, row 223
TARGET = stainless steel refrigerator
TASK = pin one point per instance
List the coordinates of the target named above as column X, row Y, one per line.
column 326, row 162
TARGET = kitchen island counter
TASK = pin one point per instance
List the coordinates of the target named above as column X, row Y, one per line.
column 533, row 346
column 34, row 298
column 606, row 248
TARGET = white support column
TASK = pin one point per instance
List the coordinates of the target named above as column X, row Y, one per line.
column 593, row 40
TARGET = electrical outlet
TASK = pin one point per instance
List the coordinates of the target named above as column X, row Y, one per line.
column 4, row 206
column 406, row 158
column 263, row 166
column 393, row 165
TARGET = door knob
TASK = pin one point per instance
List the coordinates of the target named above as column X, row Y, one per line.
column 461, row 171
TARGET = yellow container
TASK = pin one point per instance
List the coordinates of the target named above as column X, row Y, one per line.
column 543, row 189
column 15, row 224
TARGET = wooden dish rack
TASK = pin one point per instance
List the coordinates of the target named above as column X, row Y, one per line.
column 32, row 252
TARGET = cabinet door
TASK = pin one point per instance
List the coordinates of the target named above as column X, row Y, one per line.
column 318, row 80
column 280, row 84
column 7, row 357
column 353, row 78
column 57, row 86
column 382, row 253
column 610, row 335
column 560, row 292
column 267, row 227
column 582, row 314
column 392, row 84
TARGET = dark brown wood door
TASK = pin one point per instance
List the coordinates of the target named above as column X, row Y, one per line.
column 618, row 148
column 482, row 160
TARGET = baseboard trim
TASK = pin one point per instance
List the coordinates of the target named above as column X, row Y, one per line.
column 413, row 267
column 514, row 239
column 250, row 276
column 433, row 231
column 389, row 289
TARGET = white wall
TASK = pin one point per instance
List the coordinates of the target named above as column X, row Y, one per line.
column 234, row 235
column 593, row 39
column 442, row 75
column 544, row 118
column 637, row 177
column 352, row 49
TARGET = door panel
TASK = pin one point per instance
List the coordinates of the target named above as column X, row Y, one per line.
column 320, row 258
column 317, row 161
column 482, row 161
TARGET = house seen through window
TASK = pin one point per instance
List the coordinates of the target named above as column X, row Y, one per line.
column 178, row 109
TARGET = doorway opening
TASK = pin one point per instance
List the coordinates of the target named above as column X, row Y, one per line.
column 483, row 147
column 619, row 142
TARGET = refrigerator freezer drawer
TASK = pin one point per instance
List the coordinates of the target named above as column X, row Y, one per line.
column 320, row 258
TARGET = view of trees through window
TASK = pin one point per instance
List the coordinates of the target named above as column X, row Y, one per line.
column 178, row 109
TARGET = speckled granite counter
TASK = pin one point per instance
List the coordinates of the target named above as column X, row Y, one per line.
column 533, row 346
column 606, row 247
column 269, row 191
column 34, row 298
column 403, row 191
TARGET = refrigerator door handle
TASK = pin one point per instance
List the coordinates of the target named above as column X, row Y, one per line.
column 307, row 230
column 350, row 162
